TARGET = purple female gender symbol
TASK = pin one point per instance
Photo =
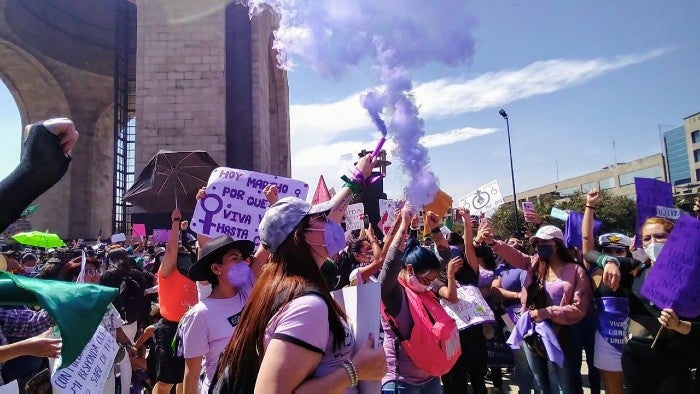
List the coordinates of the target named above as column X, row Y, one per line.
column 210, row 211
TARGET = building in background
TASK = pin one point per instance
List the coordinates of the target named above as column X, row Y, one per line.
column 676, row 149
column 618, row 180
column 692, row 135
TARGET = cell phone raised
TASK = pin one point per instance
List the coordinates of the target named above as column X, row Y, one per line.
column 528, row 207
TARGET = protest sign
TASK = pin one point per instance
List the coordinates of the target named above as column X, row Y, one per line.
column 650, row 194
column 470, row 308
column 386, row 214
column 160, row 235
column 674, row 279
column 89, row 372
column 235, row 202
column 484, row 200
column 354, row 217
column 138, row 230
column 668, row 213
column 559, row 214
column 361, row 305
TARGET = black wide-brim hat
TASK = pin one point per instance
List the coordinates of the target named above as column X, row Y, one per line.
column 212, row 253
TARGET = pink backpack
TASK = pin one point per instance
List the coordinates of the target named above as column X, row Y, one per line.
column 433, row 345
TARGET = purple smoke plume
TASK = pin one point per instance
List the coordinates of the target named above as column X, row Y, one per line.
column 335, row 36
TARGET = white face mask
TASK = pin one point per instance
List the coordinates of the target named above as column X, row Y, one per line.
column 653, row 250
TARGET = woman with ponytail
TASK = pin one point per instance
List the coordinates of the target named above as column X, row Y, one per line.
column 292, row 336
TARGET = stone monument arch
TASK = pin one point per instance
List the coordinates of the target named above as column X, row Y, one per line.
column 136, row 79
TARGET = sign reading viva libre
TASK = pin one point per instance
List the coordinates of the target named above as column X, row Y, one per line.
column 235, row 203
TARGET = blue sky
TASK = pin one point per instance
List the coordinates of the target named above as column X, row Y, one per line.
column 573, row 77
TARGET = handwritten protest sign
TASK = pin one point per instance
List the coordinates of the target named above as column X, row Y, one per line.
column 484, row 200
column 386, row 214
column 354, row 217
column 160, row 235
column 361, row 305
column 668, row 213
column 89, row 372
column 138, row 230
column 650, row 194
column 470, row 308
column 235, row 203
column 674, row 280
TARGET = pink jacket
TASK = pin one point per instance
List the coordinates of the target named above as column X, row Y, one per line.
column 577, row 289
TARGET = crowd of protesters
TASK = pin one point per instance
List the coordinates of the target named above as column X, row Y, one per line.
column 198, row 315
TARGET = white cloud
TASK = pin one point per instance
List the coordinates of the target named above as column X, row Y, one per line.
column 449, row 97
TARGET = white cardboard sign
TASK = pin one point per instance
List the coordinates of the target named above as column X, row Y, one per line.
column 235, row 202
column 386, row 214
column 361, row 305
column 470, row 309
column 485, row 199
column 354, row 217
column 89, row 372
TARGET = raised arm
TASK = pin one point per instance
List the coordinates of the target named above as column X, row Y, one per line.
column 592, row 198
column 388, row 276
column 169, row 262
column 345, row 195
column 376, row 263
column 469, row 250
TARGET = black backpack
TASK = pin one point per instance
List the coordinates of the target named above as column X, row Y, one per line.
column 131, row 301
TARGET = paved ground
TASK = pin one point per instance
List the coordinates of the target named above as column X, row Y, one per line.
column 509, row 385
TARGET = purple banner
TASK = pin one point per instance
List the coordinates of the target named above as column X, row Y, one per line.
column 650, row 194
column 160, row 235
column 612, row 320
column 674, row 280
column 573, row 235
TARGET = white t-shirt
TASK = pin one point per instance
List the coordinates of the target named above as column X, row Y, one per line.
column 207, row 328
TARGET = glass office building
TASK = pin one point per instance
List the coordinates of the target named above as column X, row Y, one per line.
column 677, row 156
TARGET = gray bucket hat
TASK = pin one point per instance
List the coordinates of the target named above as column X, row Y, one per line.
column 283, row 216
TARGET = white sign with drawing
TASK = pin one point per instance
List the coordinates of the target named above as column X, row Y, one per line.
column 470, row 309
column 484, row 200
column 235, row 202
column 386, row 214
column 354, row 216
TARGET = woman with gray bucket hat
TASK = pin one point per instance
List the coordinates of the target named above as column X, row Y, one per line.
column 292, row 336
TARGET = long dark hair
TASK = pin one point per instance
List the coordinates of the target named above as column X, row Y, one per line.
column 291, row 270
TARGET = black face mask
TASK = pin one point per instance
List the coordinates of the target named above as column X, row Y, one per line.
column 545, row 251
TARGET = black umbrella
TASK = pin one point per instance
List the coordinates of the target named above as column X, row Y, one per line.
column 171, row 179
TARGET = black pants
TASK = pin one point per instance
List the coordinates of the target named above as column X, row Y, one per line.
column 470, row 366
column 652, row 371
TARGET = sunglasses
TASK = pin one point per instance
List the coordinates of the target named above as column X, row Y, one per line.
column 657, row 237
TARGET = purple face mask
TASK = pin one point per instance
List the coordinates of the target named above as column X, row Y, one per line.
column 239, row 276
column 333, row 237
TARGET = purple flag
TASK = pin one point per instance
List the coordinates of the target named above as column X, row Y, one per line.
column 572, row 232
column 674, row 280
column 650, row 194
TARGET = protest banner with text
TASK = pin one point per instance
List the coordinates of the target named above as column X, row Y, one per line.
column 235, row 203
column 674, row 279
column 89, row 372
column 354, row 217
column 651, row 193
column 386, row 214
column 470, row 309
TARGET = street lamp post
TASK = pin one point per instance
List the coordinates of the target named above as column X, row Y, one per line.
column 503, row 113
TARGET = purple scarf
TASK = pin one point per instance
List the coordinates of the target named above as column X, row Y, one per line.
column 526, row 327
